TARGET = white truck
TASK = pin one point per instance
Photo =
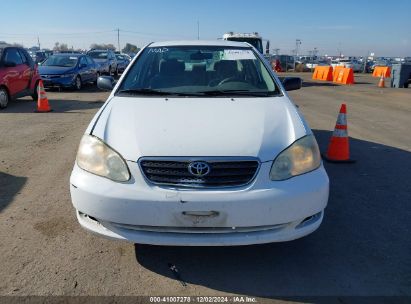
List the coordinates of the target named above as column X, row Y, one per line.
column 254, row 39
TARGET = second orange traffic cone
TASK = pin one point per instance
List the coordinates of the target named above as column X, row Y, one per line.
column 381, row 83
column 339, row 147
column 42, row 102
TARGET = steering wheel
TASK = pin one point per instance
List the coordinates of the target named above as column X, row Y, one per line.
column 228, row 79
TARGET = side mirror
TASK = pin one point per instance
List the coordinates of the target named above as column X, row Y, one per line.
column 292, row 83
column 9, row 64
column 105, row 83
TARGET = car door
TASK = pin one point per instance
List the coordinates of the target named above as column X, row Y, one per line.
column 92, row 67
column 84, row 69
column 113, row 61
column 13, row 65
column 27, row 70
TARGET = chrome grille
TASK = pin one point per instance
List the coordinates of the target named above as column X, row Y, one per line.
column 223, row 172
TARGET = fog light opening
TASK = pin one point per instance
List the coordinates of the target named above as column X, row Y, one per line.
column 310, row 220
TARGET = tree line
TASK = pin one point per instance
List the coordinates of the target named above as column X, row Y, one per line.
column 63, row 47
column 128, row 48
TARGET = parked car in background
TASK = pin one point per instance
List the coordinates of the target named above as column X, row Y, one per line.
column 68, row 71
column 39, row 56
column 313, row 64
column 18, row 75
column 42, row 55
column 352, row 64
column 335, row 63
column 106, row 60
column 122, row 62
column 368, row 66
column 287, row 62
column 380, row 63
column 199, row 145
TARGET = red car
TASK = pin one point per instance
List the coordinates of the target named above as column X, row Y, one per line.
column 18, row 75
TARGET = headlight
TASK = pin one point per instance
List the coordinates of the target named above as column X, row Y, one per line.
column 301, row 157
column 96, row 157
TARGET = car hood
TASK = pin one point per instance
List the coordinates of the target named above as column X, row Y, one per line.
column 256, row 127
column 54, row 70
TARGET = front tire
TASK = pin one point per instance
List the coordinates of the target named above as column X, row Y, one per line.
column 78, row 84
column 35, row 94
column 4, row 98
column 97, row 76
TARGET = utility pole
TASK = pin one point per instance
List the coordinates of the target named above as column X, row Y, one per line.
column 38, row 42
column 198, row 29
column 297, row 46
column 118, row 39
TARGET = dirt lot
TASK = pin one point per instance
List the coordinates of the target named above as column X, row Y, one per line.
column 362, row 248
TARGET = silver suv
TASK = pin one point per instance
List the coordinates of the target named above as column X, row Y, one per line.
column 106, row 61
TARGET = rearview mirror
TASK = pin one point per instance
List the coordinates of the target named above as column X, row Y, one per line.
column 105, row 83
column 201, row 56
column 9, row 64
column 292, row 83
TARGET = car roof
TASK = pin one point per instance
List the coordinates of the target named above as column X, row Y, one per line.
column 200, row 43
column 68, row 54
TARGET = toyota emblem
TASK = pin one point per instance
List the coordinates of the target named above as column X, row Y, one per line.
column 199, row 168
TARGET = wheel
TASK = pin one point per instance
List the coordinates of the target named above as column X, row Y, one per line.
column 78, row 84
column 116, row 72
column 4, row 98
column 97, row 76
column 109, row 71
column 35, row 94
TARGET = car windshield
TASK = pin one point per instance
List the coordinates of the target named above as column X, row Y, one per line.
column 199, row 70
column 63, row 61
column 120, row 57
column 98, row 55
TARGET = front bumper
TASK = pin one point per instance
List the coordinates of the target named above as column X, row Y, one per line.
column 262, row 212
column 61, row 82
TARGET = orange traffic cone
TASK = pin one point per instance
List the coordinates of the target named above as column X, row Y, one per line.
column 381, row 83
column 42, row 103
column 339, row 148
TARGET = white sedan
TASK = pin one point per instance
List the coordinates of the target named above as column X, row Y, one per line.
column 199, row 145
column 352, row 64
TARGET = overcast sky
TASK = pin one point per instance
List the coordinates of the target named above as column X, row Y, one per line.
column 349, row 27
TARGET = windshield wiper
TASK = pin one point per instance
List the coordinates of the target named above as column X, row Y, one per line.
column 143, row 92
column 147, row 91
column 236, row 92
